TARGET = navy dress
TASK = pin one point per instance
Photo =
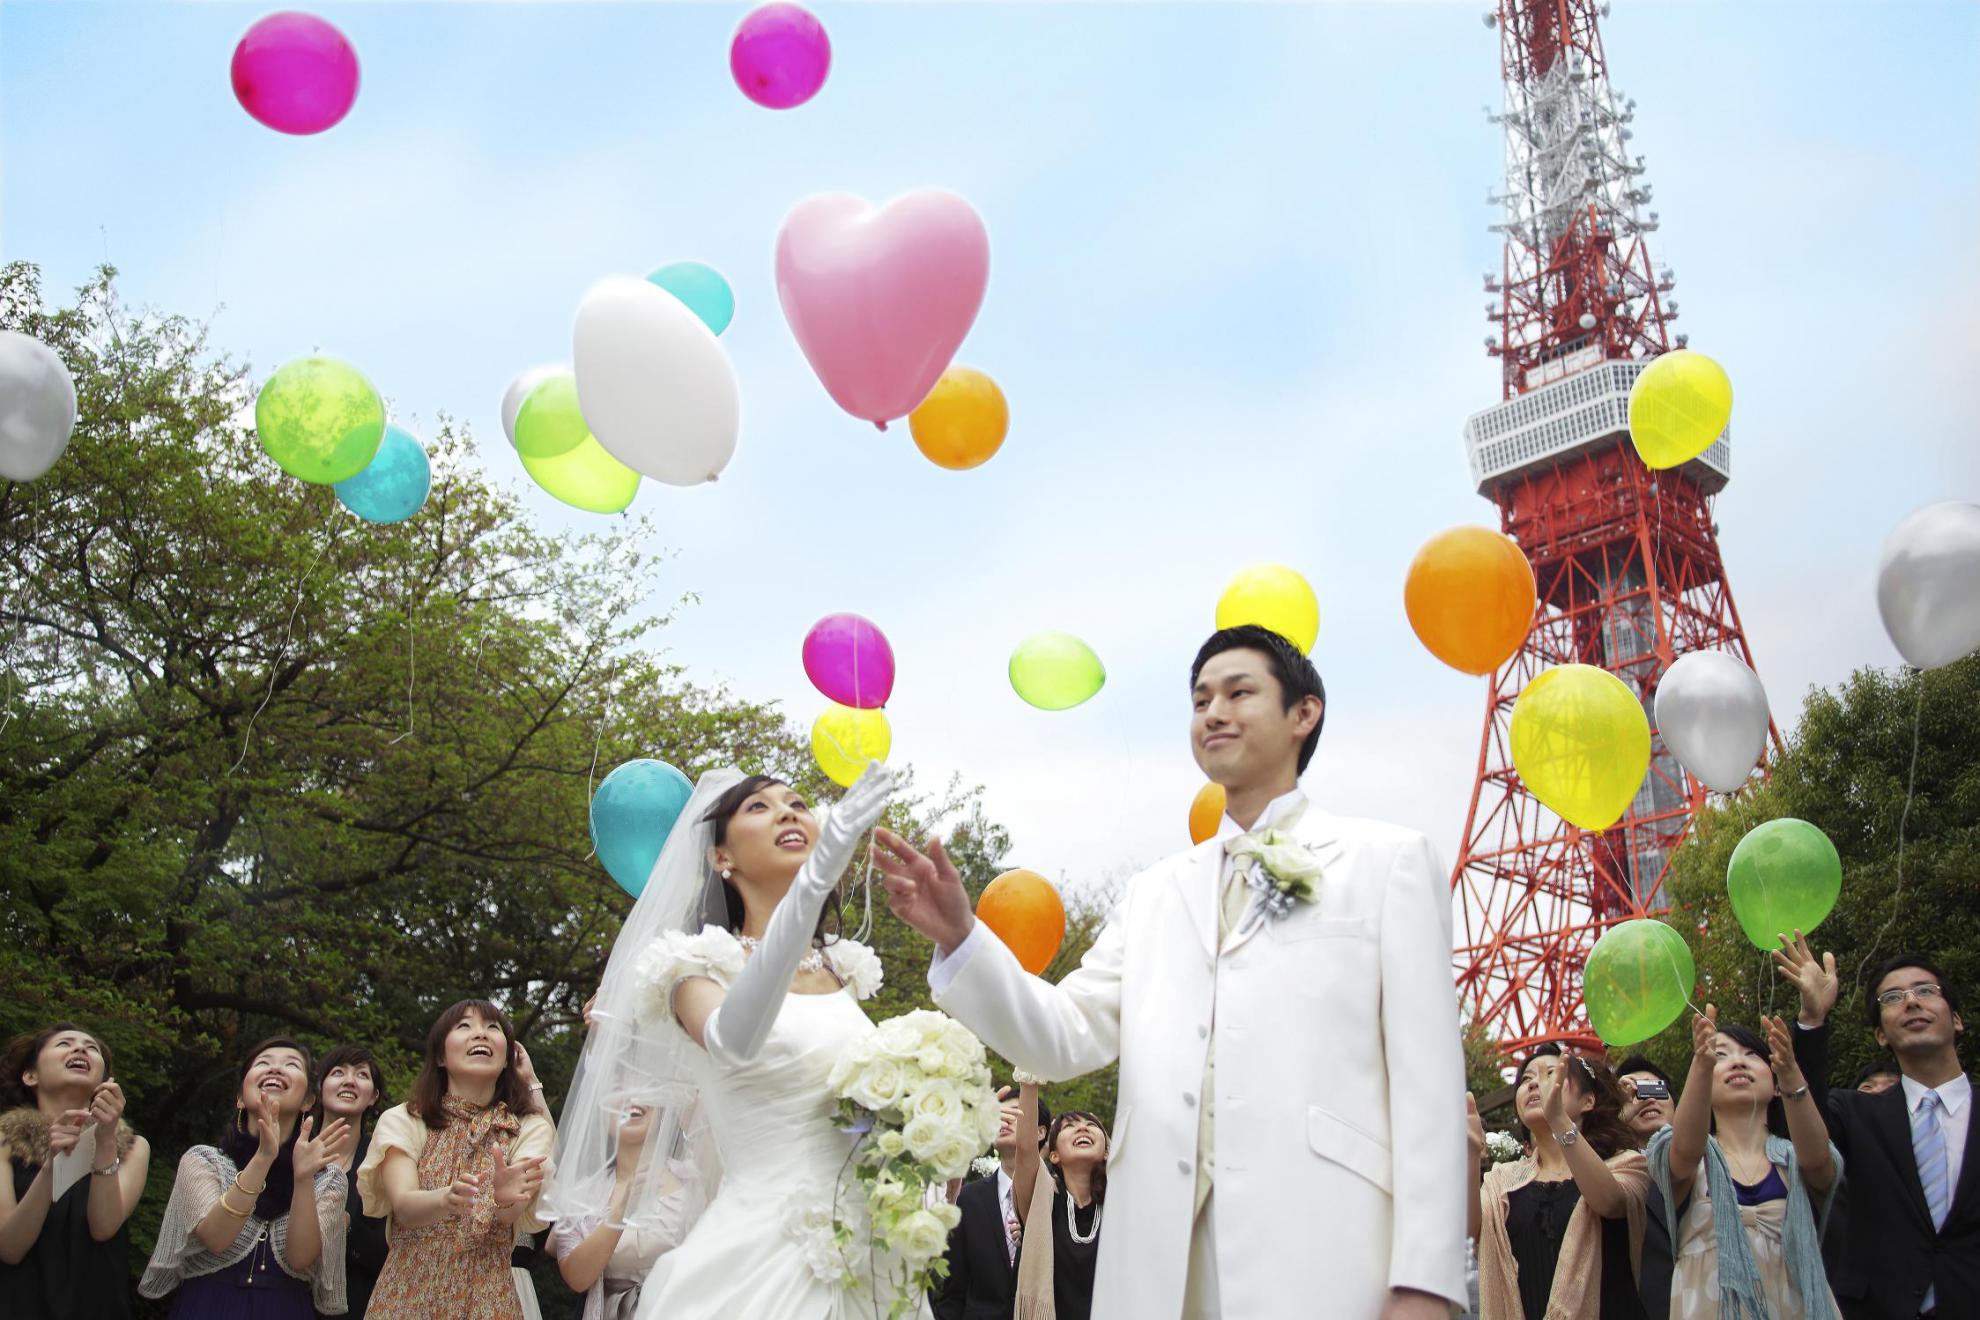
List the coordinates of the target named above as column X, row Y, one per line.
column 67, row 1274
column 256, row 1287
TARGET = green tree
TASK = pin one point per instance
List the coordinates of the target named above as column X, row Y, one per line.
column 1888, row 766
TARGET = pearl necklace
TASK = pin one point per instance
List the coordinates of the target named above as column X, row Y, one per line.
column 811, row 962
column 1072, row 1222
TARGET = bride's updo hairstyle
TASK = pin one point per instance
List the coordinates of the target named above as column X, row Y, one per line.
column 719, row 815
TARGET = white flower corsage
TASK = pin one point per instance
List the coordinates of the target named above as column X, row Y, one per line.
column 712, row 951
column 1281, row 871
column 985, row 1166
column 1501, row 1148
column 858, row 966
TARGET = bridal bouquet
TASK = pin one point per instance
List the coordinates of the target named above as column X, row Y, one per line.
column 917, row 1092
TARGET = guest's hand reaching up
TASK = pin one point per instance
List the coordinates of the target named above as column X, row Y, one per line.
column 925, row 890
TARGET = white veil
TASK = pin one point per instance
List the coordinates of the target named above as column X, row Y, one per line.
column 630, row 1062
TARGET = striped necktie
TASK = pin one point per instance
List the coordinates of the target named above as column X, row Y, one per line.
column 1928, row 1144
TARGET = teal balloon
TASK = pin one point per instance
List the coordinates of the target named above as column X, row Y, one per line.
column 1637, row 981
column 393, row 486
column 632, row 813
column 1784, row 876
column 702, row 288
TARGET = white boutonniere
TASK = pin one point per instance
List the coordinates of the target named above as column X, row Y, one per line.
column 985, row 1166
column 1502, row 1148
column 1280, row 871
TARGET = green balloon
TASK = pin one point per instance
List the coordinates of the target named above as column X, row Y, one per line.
column 1056, row 671
column 320, row 419
column 1637, row 981
column 585, row 478
column 549, row 422
column 1784, row 876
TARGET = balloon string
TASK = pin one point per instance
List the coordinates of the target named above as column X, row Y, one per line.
column 591, row 776
column 20, row 609
column 1910, row 785
column 288, row 632
column 412, row 633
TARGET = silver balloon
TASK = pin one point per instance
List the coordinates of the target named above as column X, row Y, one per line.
column 1712, row 714
column 37, row 406
column 519, row 390
column 1928, row 584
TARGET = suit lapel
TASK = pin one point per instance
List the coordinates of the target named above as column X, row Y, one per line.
column 1894, row 1125
column 1195, row 877
column 1968, row 1187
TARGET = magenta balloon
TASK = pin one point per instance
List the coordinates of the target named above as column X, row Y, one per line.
column 780, row 56
column 848, row 659
column 295, row 73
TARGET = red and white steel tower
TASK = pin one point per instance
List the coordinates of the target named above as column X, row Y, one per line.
column 1626, row 559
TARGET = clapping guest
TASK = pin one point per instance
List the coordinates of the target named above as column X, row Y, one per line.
column 62, row 1256
column 255, row 1226
column 1558, row 1231
column 983, row 1247
column 457, row 1170
column 1064, row 1182
column 350, row 1086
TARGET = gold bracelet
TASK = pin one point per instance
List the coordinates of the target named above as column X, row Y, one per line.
column 238, row 1214
column 242, row 1187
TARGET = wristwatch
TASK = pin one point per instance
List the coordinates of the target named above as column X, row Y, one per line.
column 109, row 1168
column 1569, row 1135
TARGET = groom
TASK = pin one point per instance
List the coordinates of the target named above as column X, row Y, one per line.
column 1290, row 1138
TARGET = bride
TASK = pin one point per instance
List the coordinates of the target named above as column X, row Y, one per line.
column 722, row 1010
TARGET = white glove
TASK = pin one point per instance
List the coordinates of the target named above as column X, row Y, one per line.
column 740, row 1024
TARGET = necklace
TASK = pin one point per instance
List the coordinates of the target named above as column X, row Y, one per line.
column 1072, row 1222
column 811, row 962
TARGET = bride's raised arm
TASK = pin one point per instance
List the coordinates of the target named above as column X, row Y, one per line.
column 733, row 1024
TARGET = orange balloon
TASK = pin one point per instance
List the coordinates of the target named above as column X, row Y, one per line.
column 1206, row 814
column 1024, row 911
column 1470, row 598
column 963, row 420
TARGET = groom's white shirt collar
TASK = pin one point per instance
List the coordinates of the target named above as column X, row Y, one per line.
column 1276, row 810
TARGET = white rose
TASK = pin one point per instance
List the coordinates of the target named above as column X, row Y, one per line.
column 921, row 1234
column 951, row 1158
column 924, row 1133
column 858, row 966
column 716, row 949
column 891, row 1143
column 878, row 1086
column 989, row 1122
column 937, row 1097
column 899, row 1038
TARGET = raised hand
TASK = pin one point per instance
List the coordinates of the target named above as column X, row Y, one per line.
column 1780, row 1052
column 329, row 1145
column 1474, row 1128
column 516, row 1184
column 1815, row 979
column 267, row 1129
column 67, row 1130
column 462, row 1193
column 925, row 890
column 106, row 1107
column 1554, row 1104
column 852, row 816
column 1705, row 1037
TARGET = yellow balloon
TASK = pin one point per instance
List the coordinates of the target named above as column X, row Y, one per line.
column 584, row 477
column 1275, row 597
column 1581, row 742
column 1678, row 407
column 844, row 740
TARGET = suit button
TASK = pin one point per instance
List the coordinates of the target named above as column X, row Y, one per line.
column 1189, row 1099
column 1183, row 1166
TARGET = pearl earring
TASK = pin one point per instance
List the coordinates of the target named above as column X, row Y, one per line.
column 725, row 873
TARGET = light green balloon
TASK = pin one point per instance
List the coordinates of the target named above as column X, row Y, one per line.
column 585, row 477
column 1637, row 981
column 320, row 419
column 549, row 422
column 1784, row 876
column 1056, row 671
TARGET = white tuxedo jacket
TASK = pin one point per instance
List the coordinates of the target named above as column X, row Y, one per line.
column 1340, row 1138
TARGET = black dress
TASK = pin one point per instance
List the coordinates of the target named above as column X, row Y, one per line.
column 1072, row 1262
column 364, row 1244
column 67, row 1274
column 1536, row 1222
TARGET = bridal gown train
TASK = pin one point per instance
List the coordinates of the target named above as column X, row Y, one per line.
column 776, row 1127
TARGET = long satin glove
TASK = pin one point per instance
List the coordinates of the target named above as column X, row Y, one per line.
column 737, row 1028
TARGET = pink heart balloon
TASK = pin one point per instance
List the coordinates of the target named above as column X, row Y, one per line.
column 880, row 300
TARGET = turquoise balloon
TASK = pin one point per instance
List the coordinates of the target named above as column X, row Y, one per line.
column 393, row 485
column 1784, row 876
column 1637, row 981
column 702, row 288
column 632, row 813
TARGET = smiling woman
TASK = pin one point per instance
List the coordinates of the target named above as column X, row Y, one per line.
column 349, row 1086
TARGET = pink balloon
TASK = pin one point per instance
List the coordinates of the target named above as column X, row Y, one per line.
column 848, row 659
column 780, row 56
column 880, row 300
column 295, row 73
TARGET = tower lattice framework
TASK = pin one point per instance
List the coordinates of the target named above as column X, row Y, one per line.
column 1626, row 560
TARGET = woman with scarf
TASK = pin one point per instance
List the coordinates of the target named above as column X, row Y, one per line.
column 1559, row 1231
column 456, row 1171
column 71, row 1172
column 1059, row 1188
column 1746, row 1206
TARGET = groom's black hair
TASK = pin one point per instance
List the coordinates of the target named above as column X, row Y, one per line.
column 1296, row 674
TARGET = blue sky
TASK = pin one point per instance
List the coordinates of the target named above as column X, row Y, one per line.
column 1234, row 302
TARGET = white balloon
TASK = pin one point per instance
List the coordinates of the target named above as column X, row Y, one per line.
column 654, row 384
column 1712, row 714
column 519, row 390
column 37, row 406
column 1928, row 584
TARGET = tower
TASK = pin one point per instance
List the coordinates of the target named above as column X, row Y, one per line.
column 1626, row 560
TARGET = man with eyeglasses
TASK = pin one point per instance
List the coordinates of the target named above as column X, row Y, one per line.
column 1911, row 1154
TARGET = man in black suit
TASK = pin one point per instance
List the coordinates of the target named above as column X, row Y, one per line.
column 1911, row 1154
column 982, row 1279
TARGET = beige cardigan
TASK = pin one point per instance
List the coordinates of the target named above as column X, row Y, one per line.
column 398, row 1129
column 1576, row 1293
